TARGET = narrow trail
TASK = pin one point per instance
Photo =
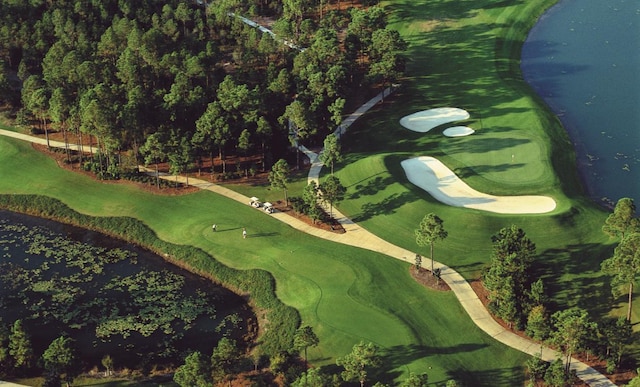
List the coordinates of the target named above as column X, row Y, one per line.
column 357, row 236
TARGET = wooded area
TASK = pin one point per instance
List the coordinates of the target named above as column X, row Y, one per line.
column 185, row 82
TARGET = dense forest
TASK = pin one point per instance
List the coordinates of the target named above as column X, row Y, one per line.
column 189, row 82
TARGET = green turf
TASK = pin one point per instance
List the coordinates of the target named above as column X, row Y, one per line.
column 461, row 55
column 345, row 293
column 465, row 55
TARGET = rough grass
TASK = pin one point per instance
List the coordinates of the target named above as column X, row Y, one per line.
column 465, row 60
column 345, row 293
column 470, row 59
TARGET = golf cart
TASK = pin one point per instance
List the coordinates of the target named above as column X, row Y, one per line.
column 255, row 202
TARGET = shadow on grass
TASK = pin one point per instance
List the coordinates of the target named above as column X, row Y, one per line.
column 372, row 186
column 469, row 268
column 262, row 234
column 466, row 172
column 399, row 356
column 575, row 278
column 385, row 207
column 479, row 144
column 513, row 376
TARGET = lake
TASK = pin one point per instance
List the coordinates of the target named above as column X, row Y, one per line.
column 583, row 59
column 110, row 296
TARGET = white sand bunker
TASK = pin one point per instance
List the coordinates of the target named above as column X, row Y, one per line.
column 434, row 177
column 426, row 120
column 458, row 131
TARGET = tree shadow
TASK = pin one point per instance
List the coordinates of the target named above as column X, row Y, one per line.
column 575, row 279
column 262, row 234
column 513, row 376
column 401, row 355
column 372, row 186
column 470, row 268
column 385, row 207
column 480, row 144
column 466, row 172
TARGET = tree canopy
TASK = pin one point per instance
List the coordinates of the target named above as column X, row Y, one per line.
column 508, row 278
column 622, row 220
column 430, row 231
column 119, row 71
column 624, row 267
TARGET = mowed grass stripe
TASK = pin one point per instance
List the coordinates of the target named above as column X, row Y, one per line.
column 346, row 294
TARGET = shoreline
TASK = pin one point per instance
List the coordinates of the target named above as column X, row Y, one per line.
column 559, row 149
column 555, row 80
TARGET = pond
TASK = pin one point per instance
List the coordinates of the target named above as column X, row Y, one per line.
column 582, row 58
column 111, row 297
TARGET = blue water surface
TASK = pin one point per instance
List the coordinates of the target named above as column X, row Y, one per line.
column 583, row 59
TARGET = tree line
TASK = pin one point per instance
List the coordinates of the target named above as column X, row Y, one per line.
column 363, row 364
column 182, row 82
column 520, row 299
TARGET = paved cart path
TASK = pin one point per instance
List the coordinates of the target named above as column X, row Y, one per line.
column 357, row 236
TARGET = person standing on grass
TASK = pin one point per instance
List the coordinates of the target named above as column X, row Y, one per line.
column 244, row 233
column 214, row 228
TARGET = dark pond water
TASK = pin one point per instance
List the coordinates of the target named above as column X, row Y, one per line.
column 583, row 58
column 111, row 297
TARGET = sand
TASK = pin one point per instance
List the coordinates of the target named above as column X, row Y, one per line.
column 458, row 131
column 426, row 120
column 440, row 182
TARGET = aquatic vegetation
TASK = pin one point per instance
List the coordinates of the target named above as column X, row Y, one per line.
column 105, row 292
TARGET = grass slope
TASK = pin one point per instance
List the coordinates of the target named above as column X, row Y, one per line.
column 462, row 55
column 465, row 54
column 345, row 293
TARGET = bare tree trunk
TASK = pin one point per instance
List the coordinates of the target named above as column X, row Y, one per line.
column 46, row 131
column 80, row 146
column 157, row 177
column 431, row 258
column 630, row 301
column 66, row 142
column 90, row 146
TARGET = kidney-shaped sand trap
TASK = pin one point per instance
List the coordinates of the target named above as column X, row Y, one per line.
column 426, row 120
column 458, row 131
column 438, row 180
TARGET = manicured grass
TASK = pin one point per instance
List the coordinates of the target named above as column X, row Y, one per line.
column 466, row 55
column 345, row 293
column 462, row 56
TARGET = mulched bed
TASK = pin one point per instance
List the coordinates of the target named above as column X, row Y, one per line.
column 422, row 276
column 332, row 226
column 620, row 378
column 426, row 279
column 60, row 158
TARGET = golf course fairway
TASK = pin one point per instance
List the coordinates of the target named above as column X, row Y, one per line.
column 462, row 54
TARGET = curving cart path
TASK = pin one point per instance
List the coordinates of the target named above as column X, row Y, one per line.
column 357, row 236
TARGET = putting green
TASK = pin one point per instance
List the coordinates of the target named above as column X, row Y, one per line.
column 505, row 163
column 344, row 293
